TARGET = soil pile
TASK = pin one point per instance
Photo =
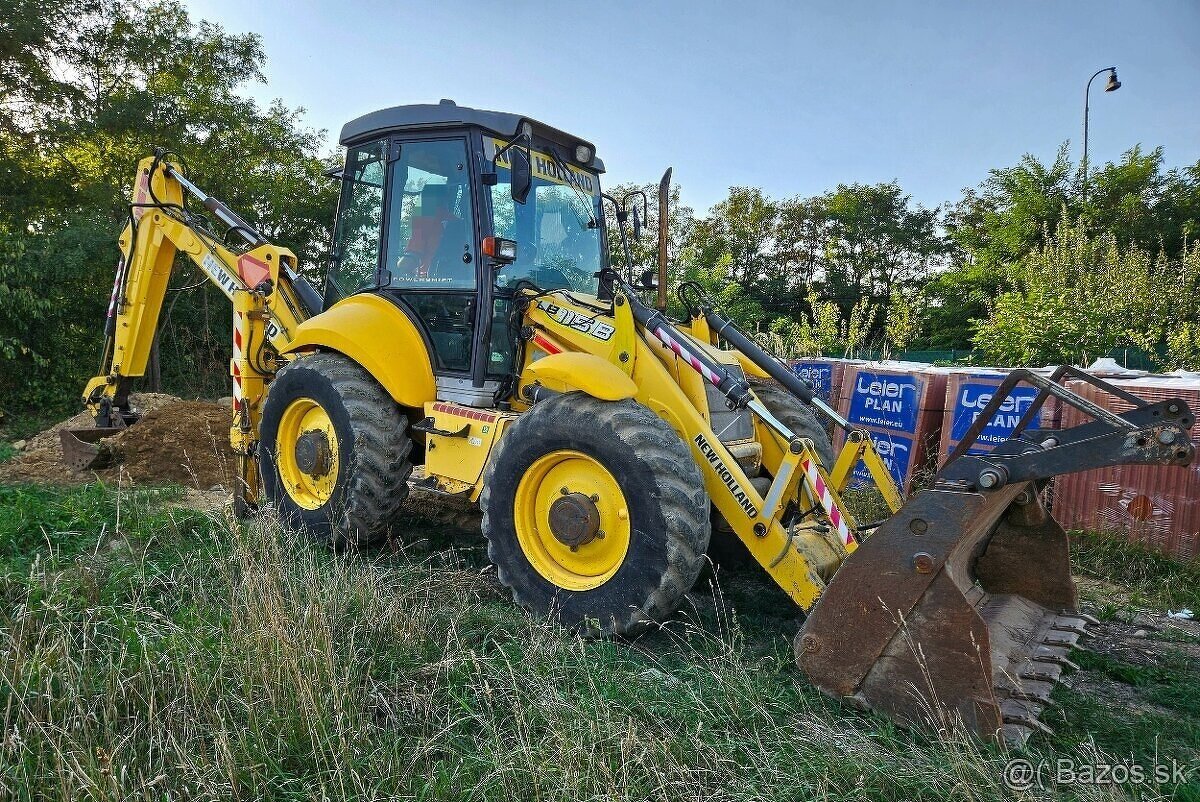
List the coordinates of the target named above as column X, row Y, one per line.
column 184, row 443
column 176, row 441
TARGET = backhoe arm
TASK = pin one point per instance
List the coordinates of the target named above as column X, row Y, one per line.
column 269, row 301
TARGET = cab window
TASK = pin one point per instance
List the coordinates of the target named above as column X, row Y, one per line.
column 557, row 229
column 360, row 216
column 430, row 243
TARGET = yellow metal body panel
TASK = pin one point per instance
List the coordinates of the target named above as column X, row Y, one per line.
column 371, row 331
column 462, row 457
column 574, row 370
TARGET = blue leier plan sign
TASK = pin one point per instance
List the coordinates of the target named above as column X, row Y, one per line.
column 818, row 374
column 886, row 401
column 971, row 400
column 896, row 452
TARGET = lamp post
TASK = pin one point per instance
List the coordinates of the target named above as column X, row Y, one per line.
column 1112, row 86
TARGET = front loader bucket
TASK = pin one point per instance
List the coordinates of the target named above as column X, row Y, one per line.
column 960, row 610
column 82, row 448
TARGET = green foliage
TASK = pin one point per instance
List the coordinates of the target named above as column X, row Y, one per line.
column 821, row 331
column 1183, row 327
column 129, row 76
column 1155, row 580
column 680, row 220
column 903, row 322
column 1077, row 297
column 729, row 295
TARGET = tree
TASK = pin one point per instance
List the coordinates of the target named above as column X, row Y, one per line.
column 739, row 231
column 128, row 76
column 1076, row 298
column 877, row 241
column 680, row 219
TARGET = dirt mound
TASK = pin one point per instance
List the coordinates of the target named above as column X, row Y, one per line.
column 182, row 442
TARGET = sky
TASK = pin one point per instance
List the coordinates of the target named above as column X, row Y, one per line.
column 792, row 97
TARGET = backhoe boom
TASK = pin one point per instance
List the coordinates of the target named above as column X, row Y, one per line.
column 270, row 299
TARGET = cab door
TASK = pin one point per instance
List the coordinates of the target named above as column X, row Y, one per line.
column 429, row 261
column 406, row 229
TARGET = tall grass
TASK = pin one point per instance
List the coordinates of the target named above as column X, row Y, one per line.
column 177, row 657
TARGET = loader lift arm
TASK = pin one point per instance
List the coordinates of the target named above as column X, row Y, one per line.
column 270, row 299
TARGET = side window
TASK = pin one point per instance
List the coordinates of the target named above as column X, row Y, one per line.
column 431, row 239
column 360, row 220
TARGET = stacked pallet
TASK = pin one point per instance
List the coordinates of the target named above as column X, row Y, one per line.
column 901, row 405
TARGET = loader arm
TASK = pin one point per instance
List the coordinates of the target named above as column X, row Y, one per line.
column 269, row 301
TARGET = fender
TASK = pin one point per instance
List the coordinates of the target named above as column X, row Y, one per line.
column 377, row 335
column 575, row 370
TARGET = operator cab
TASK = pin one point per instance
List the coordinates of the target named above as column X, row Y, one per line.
column 424, row 187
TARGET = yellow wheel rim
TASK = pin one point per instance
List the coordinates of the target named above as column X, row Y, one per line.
column 307, row 453
column 583, row 489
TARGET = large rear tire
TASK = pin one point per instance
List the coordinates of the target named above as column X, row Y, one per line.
column 796, row 415
column 595, row 512
column 334, row 451
column 726, row 549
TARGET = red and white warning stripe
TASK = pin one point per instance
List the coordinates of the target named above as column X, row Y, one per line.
column 235, row 367
column 112, row 300
column 826, row 498
column 686, row 355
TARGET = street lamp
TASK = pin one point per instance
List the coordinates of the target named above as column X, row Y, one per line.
column 1112, row 86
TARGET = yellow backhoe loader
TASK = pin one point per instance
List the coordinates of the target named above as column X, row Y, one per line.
column 472, row 339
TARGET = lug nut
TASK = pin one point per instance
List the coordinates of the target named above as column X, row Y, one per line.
column 1166, row 437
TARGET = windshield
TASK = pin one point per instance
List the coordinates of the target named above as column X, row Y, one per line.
column 557, row 229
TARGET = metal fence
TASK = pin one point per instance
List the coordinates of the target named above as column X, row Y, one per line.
column 1133, row 358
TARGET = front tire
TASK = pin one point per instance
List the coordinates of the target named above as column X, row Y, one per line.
column 595, row 512
column 334, row 451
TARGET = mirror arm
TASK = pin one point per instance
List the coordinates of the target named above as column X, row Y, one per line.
column 622, row 215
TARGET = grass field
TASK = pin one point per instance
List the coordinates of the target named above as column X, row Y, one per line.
column 149, row 651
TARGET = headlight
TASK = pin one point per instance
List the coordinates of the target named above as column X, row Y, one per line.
column 583, row 154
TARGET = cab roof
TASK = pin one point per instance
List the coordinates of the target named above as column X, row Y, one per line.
column 448, row 114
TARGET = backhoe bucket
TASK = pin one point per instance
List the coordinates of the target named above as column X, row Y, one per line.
column 959, row 612
column 83, row 449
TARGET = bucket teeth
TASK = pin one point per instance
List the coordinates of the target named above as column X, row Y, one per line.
column 1022, row 713
column 1024, row 688
column 1033, row 691
column 1067, row 623
column 1056, row 637
column 1042, row 671
column 1053, row 654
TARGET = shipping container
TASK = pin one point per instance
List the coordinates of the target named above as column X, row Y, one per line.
column 901, row 405
column 1158, row 506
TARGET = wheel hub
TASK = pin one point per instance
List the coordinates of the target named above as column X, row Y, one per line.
column 574, row 520
column 313, row 454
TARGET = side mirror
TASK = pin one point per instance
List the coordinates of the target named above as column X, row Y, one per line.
column 522, row 174
column 649, row 279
